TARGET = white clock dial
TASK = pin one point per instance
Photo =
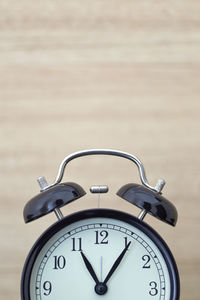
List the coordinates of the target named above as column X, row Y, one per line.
column 80, row 256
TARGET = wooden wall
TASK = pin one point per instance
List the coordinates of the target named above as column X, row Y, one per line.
column 99, row 74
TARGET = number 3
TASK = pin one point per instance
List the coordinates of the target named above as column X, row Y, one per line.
column 154, row 290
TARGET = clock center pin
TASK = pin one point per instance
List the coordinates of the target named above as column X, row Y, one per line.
column 101, row 288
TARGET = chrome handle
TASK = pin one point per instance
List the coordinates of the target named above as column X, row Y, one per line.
column 160, row 184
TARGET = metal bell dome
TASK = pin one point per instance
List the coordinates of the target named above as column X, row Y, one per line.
column 152, row 202
column 50, row 199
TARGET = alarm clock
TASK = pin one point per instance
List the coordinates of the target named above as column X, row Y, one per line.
column 100, row 253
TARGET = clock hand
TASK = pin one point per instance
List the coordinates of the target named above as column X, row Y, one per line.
column 116, row 263
column 100, row 288
column 101, row 268
column 90, row 268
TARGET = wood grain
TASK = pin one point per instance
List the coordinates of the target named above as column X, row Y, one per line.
column 99, row 74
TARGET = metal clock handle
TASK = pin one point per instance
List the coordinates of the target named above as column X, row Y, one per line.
column 158, row 187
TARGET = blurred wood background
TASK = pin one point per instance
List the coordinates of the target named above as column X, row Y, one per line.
column 99, row 74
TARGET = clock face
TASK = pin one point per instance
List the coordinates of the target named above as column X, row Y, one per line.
column 100, row 253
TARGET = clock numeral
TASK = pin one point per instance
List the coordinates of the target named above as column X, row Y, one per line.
column 147, row 259
column 47, row 286
column 59, row 262
column 76, row 244
column 154, row 290
column 101, row 237
column 126, row 241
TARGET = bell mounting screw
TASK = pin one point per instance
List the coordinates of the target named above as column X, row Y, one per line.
column 43, row 186
column 160, row 185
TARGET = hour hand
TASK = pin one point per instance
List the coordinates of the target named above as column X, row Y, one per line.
column 100, row 287
column 89, row 267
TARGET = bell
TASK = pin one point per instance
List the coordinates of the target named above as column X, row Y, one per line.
column 51, row 199
column 150, row 201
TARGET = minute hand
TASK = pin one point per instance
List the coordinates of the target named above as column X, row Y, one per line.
column 116, row 263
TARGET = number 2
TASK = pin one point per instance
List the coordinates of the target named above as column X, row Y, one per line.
column 147, row 259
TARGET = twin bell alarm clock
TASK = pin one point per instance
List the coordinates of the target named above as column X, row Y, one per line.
column 100, row 254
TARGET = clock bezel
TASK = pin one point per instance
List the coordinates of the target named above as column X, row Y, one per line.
column 107, row 213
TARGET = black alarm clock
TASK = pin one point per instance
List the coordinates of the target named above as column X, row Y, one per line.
column 100, row 253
